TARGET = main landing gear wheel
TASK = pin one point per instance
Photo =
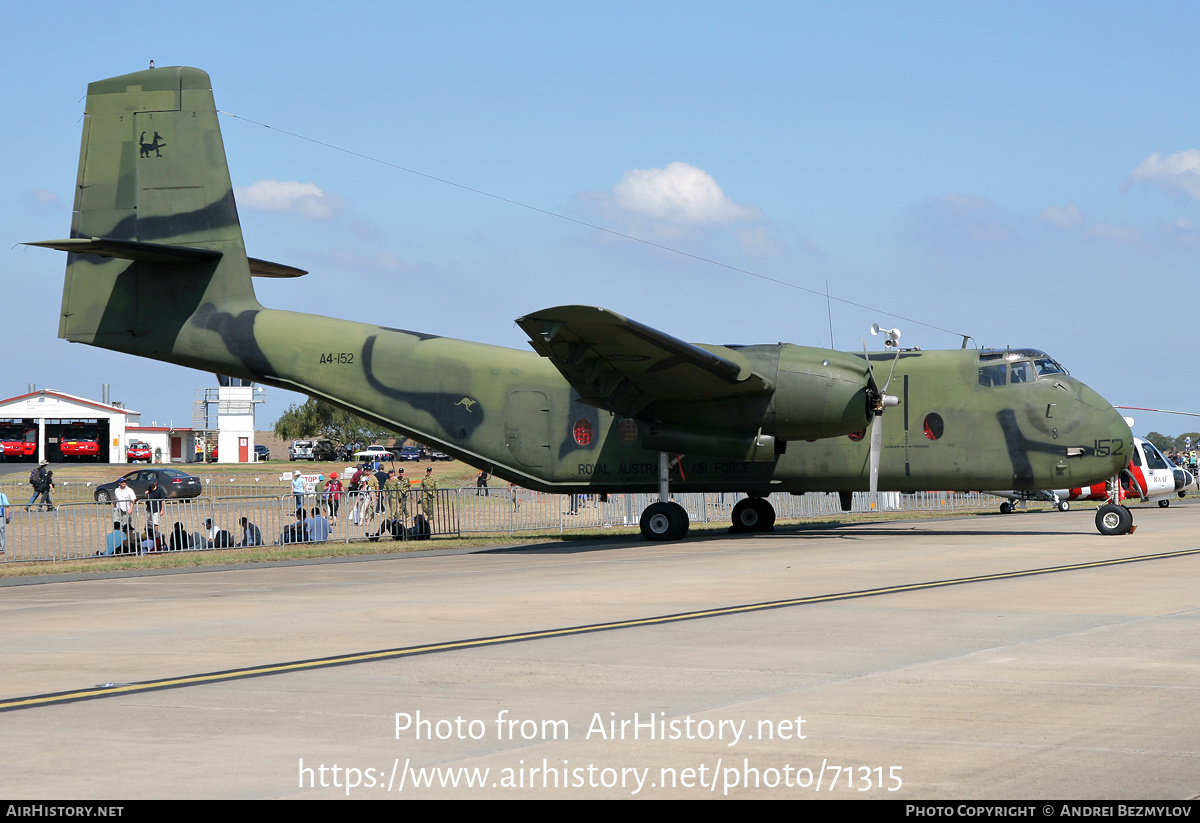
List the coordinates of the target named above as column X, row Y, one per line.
column 754, row 514
column 1006, row 507
column 664, row 521
column 1114, row 519
column 1164, row 503
column 1063, row 506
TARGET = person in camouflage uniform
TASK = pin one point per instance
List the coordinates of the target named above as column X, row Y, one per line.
column 400, row 499
column 428, row 494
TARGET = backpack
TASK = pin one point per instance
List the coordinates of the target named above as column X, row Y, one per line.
column 34, row 476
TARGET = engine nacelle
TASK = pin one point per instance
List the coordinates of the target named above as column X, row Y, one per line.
column 667, row 437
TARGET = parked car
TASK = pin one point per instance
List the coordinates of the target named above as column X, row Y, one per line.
column 437, row 455
column 301, row 450
column 410, row 453
column 376, row 452
column 263, row 452
column 175, row 483
column 138, row 451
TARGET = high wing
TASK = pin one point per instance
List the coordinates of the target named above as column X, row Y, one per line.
column 622, row 366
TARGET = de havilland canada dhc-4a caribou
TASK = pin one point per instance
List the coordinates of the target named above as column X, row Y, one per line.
column 157, row 268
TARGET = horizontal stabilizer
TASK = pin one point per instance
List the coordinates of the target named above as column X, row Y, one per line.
column 160, row 253
column 265, row 268
column 130, row 250
column 621, row 365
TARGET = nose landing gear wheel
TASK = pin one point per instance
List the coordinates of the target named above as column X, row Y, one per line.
column 1114, row 519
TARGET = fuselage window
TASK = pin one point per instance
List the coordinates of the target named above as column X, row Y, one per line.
column 934, row 426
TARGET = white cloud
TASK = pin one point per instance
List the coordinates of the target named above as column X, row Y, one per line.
column 680, row 194
column 1178, row 172
column 758, row 242
column 1114, row 233
column 44, row 197
column 1063, row 218
column 305, row 199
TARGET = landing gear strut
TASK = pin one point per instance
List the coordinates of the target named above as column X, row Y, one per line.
column 664, row 520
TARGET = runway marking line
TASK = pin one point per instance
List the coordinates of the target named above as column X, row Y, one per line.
column 97, row 692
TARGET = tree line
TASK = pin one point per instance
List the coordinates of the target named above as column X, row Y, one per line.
column 1166, row 443
column 317, row 419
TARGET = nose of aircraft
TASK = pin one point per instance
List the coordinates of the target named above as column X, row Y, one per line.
column 1118, row 448
column 1183, row 479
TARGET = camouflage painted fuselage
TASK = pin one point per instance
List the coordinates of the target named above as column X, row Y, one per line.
column 157, row 268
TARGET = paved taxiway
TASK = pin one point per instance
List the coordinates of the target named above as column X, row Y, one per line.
column 1075, row 684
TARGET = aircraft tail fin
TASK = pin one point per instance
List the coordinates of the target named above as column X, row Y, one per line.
column 155, row 238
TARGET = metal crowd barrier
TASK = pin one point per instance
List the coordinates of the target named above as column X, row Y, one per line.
column 77, row 529
column 515, row 509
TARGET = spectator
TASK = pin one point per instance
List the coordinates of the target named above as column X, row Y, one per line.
column 115, row 542
column 295, row 532
column 155, row 496
column 251, row 536
column 317, row 526
column 180, row 539
column 42, row 487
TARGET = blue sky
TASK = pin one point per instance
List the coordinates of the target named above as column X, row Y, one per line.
column 1025, row 173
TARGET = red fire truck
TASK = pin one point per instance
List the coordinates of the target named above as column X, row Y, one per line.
column 80, row 441
column 18, row 441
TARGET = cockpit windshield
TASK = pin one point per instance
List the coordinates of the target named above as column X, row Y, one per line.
column 1013, row 366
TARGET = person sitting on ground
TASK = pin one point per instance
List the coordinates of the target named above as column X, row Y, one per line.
column 115, row 543
column 295, row 532
column 317, row 526
column 251, row 536
column 152, row 541
column 180, row 539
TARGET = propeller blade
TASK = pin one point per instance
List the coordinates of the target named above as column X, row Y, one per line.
column 876, row 448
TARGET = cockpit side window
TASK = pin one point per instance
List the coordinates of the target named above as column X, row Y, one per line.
column 1047, row 366
column 993, row 375
column 1021, row 372
column 1154, row 458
